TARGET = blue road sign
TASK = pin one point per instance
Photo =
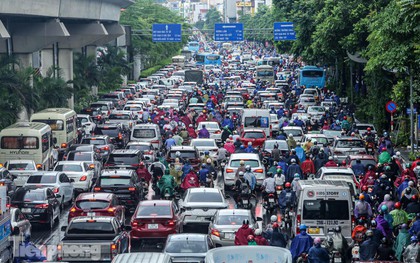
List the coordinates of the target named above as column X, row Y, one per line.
column 229, row 32
column 409, row 111
column 391, row 107
column 166, row 33
column 284, row 31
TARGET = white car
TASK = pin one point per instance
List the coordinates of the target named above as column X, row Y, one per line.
column 87, row 122
column 316, row 112
column 213, row 128
column 296, row 132
column 204, row 145
column 58, row 182
column 149, row 152
column 251, row 159
column 22, row 169
column 80, row 172
column 274, row 122
column 19, row 220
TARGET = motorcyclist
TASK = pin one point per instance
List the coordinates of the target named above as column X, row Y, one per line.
column 241, row 187
column 259, row 239
column 250, row 177
column 301, row 243
column 358, row 168
column 308, row 167
column 293, row 169
column 383, row 224
column 287, row 198
column 364, row 191
column 331, row 162
column 203, row 173
column 190, row 180
column 249, row 149
column 251, row 241
column 277, row 238
column 401, row 242
column 384, row 252
column 143, row 173
column 291, row 141
column 399, row 216
column 318, row 254
column 368, row 247
column 411, row 253
column 337, row 242
column 191, row 132
column 415, row 228
column 362, row 208
column 359, row 231
column 241, row 236
column 203, row 133
column 167, row 181
column 241, row 168
column 269, row 186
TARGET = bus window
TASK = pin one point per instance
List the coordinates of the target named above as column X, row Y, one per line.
column 45, row 142
column 313, row 74
column 56, row 125
column 19, row 142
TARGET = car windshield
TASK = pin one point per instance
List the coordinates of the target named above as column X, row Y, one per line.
column 198, row 197
column 183, row 246
column 365, row 162
column 123, row 158
column 41, row 179
column 331, row 133
column 29, row 196
column 144, row 133
column 364, row 127
column 254, row 135
column 293, row 132
column 79, row 156
column 252, row 163
column 349, row 144
column 153, row 210
column 91, row 227
column 110, row 131
column 101, row 106
column 321, row 140
column 204, row 143
column 317, row 109
column 93, row 141
column 212, row 126
column 119, row 117
column 184, row 154
column 21, row 166
column 68, row 168
column 92, row 204
column 115, row 180
column 231, row 219
column 325, row 210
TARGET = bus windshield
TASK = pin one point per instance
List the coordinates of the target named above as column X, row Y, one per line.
column 213, row 57
column 19, row 142
column 313, row 73
column 56, row 125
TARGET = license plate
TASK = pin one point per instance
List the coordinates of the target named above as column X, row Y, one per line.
column 278, row 192
column 152, row 226
column 91, row 214
column 271, row 200
column 314, row 231
column 229, row 236
column 337, row 259
column 245, row 202
column 26, row 210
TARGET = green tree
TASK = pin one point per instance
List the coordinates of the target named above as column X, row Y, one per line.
column 112, row 65
column 86, row 74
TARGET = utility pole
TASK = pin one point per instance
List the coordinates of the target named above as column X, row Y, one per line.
column 411, row 111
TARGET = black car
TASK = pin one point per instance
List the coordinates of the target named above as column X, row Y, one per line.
column 95, row 113
column 118, row 134
column 124, row 184
column 129, row 159
column 40, row 205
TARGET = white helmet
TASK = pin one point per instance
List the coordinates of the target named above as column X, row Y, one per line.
column 273, row 218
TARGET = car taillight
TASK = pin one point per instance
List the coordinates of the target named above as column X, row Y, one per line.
column 271, row 130
column 120, row 136
column 111, row 209
column 298, row 224
column 64, row 145
column 97, row 189
column 278, row 187
column 56, row 190
column 42, row 206
column 217, row 132
column 114, row 250
column 39, row 166
column 106, row 148
column 73, row 209
column 83, row 178
column 229, row 170
column 155, row 141
column 215, row 232
column 132, row 189
column 353, row 221
column 258, row 170
column 170, row 223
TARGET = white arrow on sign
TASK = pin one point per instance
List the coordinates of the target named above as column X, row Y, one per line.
column 166, row 27
column 228, row 26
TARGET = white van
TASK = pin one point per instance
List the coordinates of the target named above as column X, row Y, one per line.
column 257, row 118
column 147, row 133
column 323, row 204
column 254, row 254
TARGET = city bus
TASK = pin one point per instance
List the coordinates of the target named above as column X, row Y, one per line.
column 193, row 46
column 187, row 54
column 312, row 76
column 63, row 125
column 28, row 141
column 208, row 59
column 179, row 61
column 265, row 73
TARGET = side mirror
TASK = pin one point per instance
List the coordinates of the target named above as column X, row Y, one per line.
column 127, row 228
column 259, row 219
column 63, row 228
column 71, row 180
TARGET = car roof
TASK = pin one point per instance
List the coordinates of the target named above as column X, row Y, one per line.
column 123, row 172
column 187, row 237
column 97, row 218
column 126, row 151
column 96, row 137
column 234, row 212
column 20, row 161
column 89, row 195
column 155, row 202
column 361, row 156
column 236, row 156
column 203, row 190
column 348, row 138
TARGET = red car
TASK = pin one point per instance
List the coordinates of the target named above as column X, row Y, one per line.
column 154, row 219
column 365, row 159
column 256, row 137
column 97, row 204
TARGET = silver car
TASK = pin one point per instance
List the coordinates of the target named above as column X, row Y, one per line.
column 149, row 152
column 22, row 169
column 188, row 247
column 345, row 146
column 204, row 145
column 251, row 159
column 226, row 222
column 198, row 208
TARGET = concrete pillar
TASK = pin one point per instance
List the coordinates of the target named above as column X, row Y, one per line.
column 137, row 67
column 65, row 63
column 47, row 60
column 91, row 51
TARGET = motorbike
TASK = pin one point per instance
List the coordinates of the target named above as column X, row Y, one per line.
column 370, row 148
column 168, row 193
column 155, row 186
column 355, row 253
column 279, row 188
column 270, row 204
column 302, row 258
column 244, row 201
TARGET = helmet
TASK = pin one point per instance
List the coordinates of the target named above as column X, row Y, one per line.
column 373, row 223
column 258, row 232
column 206, row 152
column 178, row 154
column 387, row 197
column 317, row 241
column 345, row 117
column 242, row 162
column 245, row 222
column 248, row 168
column 404, row 226
column 141, row 164
column 302, row 227
column 293, row 160
column 397, row 205
column 275, row 225
column 288, row 185
column 203, row 165
column 413, row 239
column 360, row 222
column 249, row 143
column 369, row 129
column 250, row 238
column 296, row 175
column 364, row 188
column 241, row 174
column 208, row 161
column 384, row 208
column 273, row 218
column 290, row 135
column 369, row 233
column 361, row 197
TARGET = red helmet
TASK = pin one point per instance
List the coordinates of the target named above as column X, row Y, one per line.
column 250, row 238
column 369, row 128
column 364, row 188
column 141, row 164
column 397, row 205
column 345, row 117
column 288, row 185
column 275, row 225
